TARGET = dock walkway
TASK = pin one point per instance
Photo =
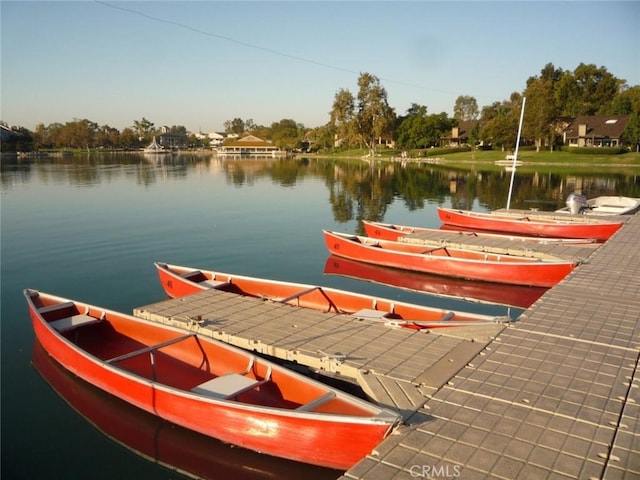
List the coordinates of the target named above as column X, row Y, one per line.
column 553, row 396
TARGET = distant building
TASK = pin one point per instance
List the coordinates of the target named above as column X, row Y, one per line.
column 213, row 139
column 460, row 134
column 6, row 133
column 249, row 145
column 216, row 139
column 596, row 131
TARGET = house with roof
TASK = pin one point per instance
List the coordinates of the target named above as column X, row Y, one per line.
column 460, row 134
column 596, row 131
column 213, row 139
column 249, row 146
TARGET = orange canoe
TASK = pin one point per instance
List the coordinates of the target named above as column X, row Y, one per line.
column 532, row 225
column 388, row 231
column 208, row 386
column 179, row 281
column 449, row 261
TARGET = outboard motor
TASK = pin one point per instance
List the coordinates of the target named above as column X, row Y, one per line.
column 577, row 203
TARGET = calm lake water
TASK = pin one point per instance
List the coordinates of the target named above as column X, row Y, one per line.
column 90, row 228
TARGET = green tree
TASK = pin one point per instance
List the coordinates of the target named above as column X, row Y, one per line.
column 107, row 137
column 178, row 129
column 540, row 113
column 631, row 134
column 419, row 130
column 626, row 101
column 412, row 129
column 465, row 108
column 41, row 137
column 320, row 138
column 235, row 126
column 500, row 122
column 128, row 138
column 143, row 128
column 343, row 117
column 585, row 90
column 287, row 134
column 79, row 134
column 374, row 117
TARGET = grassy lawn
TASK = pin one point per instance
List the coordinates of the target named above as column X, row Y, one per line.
column 528, row 157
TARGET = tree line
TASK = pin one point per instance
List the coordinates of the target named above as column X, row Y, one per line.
column 553, row 96
column 366, row 119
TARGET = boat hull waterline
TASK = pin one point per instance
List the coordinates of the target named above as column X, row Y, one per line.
column 179, row 281
column 447, row 261
column 208, row 386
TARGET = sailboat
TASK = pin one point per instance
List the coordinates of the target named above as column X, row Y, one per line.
column 155, row 148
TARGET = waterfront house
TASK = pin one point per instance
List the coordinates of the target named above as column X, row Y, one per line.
column 596, row 131
column 460, row 134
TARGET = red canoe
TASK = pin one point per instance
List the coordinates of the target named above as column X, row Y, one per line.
column 388, row 231
column 499, row 293
column 208, row 386
column 448, row 261
column 158, row 441
column 179, row 281
column 532, row 225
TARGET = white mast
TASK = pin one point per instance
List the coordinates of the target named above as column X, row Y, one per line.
column 515, row 156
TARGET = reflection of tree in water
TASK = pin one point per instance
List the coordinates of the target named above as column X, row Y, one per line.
column 360, row 190
column 364, row 191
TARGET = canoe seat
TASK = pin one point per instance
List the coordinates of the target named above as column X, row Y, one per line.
column 189, row 275
column 226, row 386
column 75, row 321
column 209, row 283
column 321, row 400
column 56, row 306
column 370, row 314
column 231, row 384
column 69, row 323
column 214, row 283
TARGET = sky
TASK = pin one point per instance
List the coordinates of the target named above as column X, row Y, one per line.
column 199, row 64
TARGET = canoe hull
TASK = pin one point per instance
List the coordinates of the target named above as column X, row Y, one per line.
column 512, row 295
column 531, row 226
column 153, row 438
column 178, row 281
column 331, row 439
column 394, row 233
column 441, row 261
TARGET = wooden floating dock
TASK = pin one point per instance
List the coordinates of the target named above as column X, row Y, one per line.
column 554, row 395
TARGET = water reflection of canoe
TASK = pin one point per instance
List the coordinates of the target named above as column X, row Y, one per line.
column 510, row 295
column 388, row 231
column 179, row 281
column 448, row 261
column 162, row 442
column 208, row 386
